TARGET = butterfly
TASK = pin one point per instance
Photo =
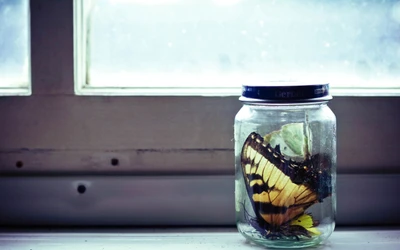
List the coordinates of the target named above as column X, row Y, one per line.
column 280, row 189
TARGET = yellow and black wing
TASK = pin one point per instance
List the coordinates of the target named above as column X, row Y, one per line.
column 279, row 189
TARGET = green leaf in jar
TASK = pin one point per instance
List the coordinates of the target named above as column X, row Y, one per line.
column 293, row 138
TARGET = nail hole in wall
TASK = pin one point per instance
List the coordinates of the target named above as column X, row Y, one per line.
column 114, row 162
column 81, row 189
column 19, row 164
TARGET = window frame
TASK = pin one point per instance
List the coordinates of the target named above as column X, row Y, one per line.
column 22, row 88
column 15, row 91
column 82, row 86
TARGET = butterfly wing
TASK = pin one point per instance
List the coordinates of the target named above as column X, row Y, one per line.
column 274, row 185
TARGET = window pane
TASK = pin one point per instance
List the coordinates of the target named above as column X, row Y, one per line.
column 14, row 44
column 227, row 42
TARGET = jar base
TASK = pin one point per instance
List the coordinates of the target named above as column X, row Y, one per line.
column 285, row 244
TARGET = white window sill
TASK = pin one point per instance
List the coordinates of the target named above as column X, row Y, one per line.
column 175, row 239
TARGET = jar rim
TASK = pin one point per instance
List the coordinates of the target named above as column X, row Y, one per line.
column 285, row 92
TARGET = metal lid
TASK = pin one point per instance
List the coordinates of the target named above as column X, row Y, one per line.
column 285, row 92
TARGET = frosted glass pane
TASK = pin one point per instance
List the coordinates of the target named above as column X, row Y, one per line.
column 14, row 43
column 225, row 42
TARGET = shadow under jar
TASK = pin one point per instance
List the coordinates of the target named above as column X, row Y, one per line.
column 285, row 161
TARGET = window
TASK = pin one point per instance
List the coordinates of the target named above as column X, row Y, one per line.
column 138, row 47
column 14, row 48
column 111, row 160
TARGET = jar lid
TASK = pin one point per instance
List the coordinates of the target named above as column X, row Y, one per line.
column 285, row 92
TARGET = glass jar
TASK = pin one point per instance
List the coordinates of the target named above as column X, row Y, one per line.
column 285, row 160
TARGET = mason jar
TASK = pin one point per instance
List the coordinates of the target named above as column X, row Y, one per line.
column 285, row 161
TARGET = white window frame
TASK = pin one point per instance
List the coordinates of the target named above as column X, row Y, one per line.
column 12, row 88
column 82, row 86
column 16, row 91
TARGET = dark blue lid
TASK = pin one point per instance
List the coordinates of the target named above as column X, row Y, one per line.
column 285, row 92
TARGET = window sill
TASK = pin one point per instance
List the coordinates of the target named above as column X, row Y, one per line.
column 214, row 238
